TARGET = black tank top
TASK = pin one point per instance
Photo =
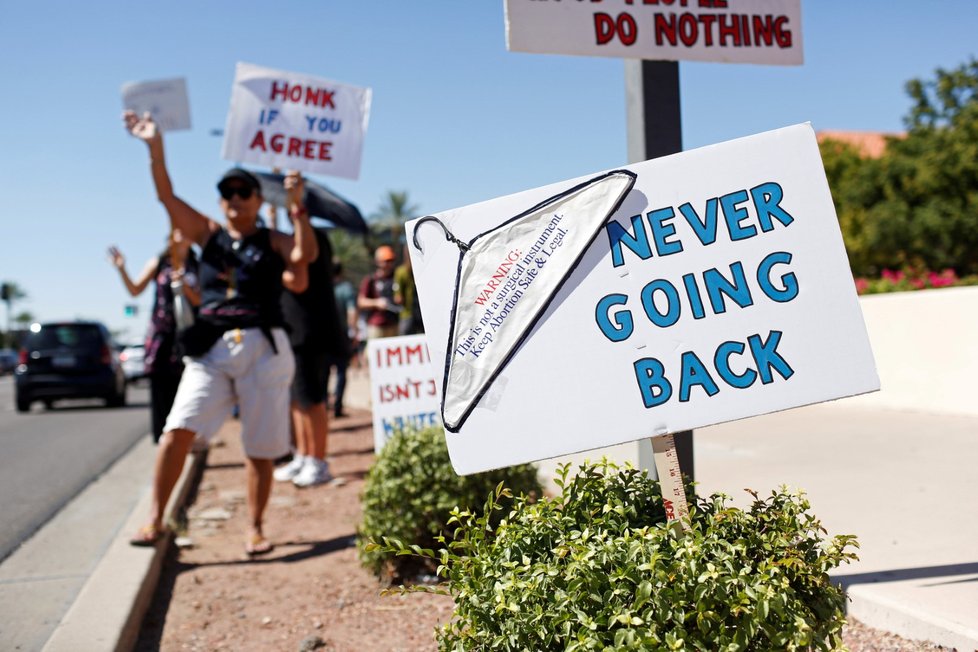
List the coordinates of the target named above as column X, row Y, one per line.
column 241, row 281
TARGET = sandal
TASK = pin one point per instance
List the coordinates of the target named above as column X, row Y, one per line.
column 258, row 545
column 147, row 536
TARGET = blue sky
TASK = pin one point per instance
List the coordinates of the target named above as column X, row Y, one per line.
column 455, row 117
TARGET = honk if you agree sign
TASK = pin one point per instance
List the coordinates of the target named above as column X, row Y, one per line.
column 296, row 121
column 680, row 292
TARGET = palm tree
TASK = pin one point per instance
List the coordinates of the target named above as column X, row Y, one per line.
column 395, row 209
column 24, row 319
column 11, row 292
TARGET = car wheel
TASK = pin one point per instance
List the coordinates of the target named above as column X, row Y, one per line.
column 23, row 405
column 119, row 400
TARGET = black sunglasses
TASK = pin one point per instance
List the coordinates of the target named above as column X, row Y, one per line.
column 245, row 192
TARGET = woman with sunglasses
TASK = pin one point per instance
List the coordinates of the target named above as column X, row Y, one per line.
column 237, row 351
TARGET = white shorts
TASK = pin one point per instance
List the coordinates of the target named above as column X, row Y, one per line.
column 241, row 368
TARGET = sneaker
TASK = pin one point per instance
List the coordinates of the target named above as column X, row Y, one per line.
column 290, row 470
column 313, row 473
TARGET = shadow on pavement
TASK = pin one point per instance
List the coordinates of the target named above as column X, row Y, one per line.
column 900, row 574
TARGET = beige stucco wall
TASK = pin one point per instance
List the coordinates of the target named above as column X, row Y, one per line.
column 926, row 349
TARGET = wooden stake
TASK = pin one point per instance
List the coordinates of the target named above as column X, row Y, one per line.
column 670, row 479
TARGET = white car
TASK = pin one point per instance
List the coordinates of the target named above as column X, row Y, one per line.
column 133, row 366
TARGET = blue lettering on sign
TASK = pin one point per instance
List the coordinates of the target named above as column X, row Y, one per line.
column 745, row 213
column 418, row 421
column 637, row 241
column 656, row 388
column 622, row 327
column 661, row 230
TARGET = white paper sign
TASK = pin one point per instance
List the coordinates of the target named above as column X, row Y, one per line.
column 295, row 121
column 720, row 289
column 165, row 99
column 730, row 31
column 403, row 386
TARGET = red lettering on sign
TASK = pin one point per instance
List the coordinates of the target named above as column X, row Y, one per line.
column 309, row 149
column 298, row 94
column 670, row 510
column 258, row 141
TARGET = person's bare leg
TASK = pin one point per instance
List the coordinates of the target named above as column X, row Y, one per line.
column 259, row 489
column 170, row 456
column 301, row 426
column 318, row 431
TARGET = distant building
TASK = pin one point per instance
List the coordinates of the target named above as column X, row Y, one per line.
column 870, row 144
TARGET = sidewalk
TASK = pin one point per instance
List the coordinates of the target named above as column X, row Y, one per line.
column 905, row 483
column 309, row 592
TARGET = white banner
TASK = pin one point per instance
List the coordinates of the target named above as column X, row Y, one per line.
column 403, row 386
column 730, row 31
column 718, row 290
column 165, row 99
column 296, row 122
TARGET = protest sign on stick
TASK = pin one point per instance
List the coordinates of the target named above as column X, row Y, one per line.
column 165, row 99
column 403, row 386
column 718, row 289
column 295, row 121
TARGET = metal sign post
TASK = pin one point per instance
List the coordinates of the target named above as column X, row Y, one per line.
column 654, row 128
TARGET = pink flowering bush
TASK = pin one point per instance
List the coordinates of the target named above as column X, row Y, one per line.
column 905, row 280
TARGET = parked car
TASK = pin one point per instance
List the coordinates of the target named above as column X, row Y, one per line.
column 133, row 363
column 68, row 360
column 8, row 361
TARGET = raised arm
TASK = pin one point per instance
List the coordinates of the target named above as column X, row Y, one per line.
column 119, row 262
column 300, row 248
column 306, row 248
column 195, row 226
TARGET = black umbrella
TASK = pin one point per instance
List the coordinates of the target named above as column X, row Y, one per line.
column 320, row 202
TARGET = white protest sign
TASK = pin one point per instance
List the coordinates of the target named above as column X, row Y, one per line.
column 719, row 289
column 165, row 99
column 295, row 121
column 403, row 386
column 729, row 31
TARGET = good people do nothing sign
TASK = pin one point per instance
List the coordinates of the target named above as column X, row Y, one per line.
column 684, row 291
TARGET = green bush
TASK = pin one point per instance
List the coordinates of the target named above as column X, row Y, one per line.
column 598, row 569
column 409, row 495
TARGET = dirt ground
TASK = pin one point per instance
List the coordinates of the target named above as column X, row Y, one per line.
column 309, row 593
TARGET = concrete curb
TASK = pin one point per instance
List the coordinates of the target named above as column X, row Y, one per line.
column 109, row 609
column 897, row 616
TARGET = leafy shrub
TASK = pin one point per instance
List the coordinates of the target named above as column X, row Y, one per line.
column 409, row 495
column 598, row 568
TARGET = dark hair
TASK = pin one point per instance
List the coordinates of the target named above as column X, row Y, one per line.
column 337, row 267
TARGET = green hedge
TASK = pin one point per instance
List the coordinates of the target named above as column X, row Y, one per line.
column 410, row 492
column 598, row 569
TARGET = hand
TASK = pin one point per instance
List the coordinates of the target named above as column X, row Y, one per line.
column 294, row 190
column 142, row 128
column 179, row 246
column 116, row 258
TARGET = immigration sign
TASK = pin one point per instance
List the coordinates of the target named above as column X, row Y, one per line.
column 403, row 386
column 295, row 121
column 672, row 294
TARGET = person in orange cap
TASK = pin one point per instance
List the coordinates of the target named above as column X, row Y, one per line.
column 376, row 296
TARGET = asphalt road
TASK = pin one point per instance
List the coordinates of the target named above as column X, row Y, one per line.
column 48, row 456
